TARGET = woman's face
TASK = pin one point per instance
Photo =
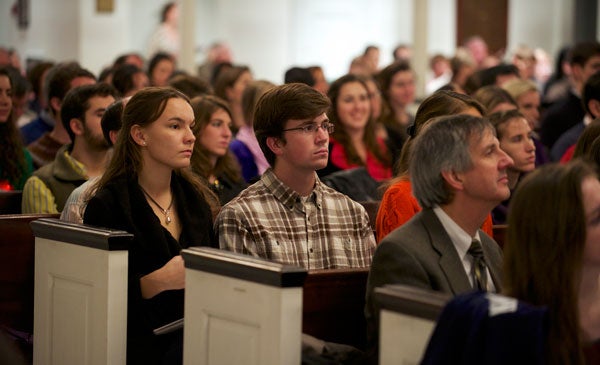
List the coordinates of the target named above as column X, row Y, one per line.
column 402, row 89
column 590, row 189
column 5, row 98
column 375, row 98
column 168, row 142
column 353, row 106
column 140, row 81
column 216, row 135
column 235, row 92
column 529, row 106
column 162, row 72
column 517, row 143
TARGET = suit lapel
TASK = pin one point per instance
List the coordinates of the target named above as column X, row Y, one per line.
column 449, row 261
column 494, row 265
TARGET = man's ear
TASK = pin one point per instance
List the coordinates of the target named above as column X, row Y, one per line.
column 453, row 179
column 113, row 136
column 55, row 103
column 275, row 144
column 137, row 133
column 76, row 126
column 594, row 107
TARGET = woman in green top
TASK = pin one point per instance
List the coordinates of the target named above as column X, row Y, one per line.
column 15, row 165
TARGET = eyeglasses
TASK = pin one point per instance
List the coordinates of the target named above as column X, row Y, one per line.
column 313, row 128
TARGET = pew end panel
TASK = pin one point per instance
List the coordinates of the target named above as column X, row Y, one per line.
column 407, row 319
column 240, row 309
column 80, row 312
column 333, row 306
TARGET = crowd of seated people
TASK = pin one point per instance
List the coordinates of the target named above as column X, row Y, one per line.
column 256, row 158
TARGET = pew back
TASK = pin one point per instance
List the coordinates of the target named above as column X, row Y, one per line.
column 333, row 306
column 372, row 207
column 500, row 233
column 10, row 202
column 16, row 270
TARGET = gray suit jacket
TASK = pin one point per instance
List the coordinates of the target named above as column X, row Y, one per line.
column 420, row 253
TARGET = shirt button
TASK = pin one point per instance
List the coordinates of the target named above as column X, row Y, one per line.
column 310, row 250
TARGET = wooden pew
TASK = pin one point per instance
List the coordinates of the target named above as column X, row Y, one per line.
column 333, row 306
column 500, row 233
column 372, row 207
column 10, row 202
column 16, row 276
column 80, row 311
column 240, row 309
column 407, row 319
column 333, row 299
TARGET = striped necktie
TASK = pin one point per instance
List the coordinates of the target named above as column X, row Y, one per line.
column 479, row 268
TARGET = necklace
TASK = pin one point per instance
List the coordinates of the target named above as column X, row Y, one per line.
column 166, row 212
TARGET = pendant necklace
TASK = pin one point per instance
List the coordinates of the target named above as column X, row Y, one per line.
column 166, row 212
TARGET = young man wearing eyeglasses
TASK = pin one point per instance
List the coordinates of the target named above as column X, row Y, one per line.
column 289, row 216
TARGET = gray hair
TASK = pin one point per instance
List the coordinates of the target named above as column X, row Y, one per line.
column 443, row 145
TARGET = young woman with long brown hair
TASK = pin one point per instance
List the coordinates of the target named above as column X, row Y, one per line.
column 149, row 191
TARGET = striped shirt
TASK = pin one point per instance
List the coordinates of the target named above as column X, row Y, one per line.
column 77, row 201
column 326, row 230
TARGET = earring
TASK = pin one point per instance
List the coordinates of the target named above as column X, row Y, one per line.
column 143, row 143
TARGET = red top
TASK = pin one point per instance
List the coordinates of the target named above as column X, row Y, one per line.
column 568, row 155
column 375, row 168
column 398, row 205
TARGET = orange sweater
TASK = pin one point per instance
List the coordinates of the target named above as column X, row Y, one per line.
column 398, row 205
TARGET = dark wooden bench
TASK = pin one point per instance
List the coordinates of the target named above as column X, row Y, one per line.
column 333, row 306
column 10, row 202
column 332, row 300
column 17, row 274
column 500, row 234
column 240, row 309
column 372, row 207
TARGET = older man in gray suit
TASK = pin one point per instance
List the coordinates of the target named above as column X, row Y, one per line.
column 458, row 175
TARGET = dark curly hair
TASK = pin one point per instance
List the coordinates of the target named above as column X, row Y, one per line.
column 12, row 165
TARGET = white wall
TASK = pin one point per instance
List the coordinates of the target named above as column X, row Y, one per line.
column 332, row 33
column 142, row 19
column 258, row 33
column 442, row 27
column 268, row 35
column 103, row 36
column 598, row 22
column 53, row 29
column 547, row 24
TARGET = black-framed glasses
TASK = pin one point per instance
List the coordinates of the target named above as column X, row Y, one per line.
column 313, row 128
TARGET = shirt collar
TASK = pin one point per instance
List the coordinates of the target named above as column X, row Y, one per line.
column 461, row 239
column 76, row 166
column 286, row 195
